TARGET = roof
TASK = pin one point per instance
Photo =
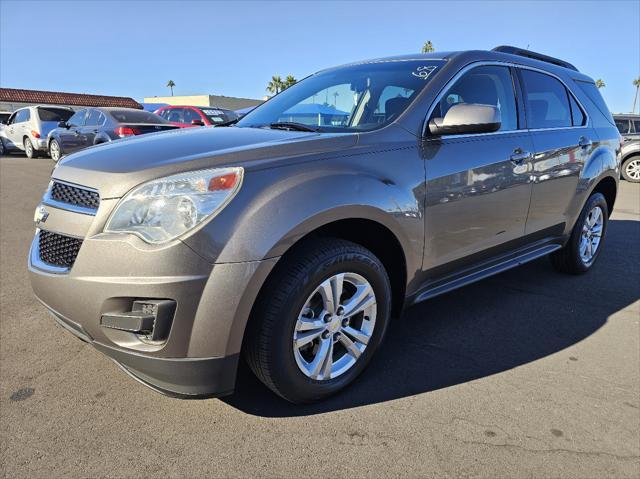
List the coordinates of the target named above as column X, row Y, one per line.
column 17, row 95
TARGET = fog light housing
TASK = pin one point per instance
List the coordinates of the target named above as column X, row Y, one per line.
column 150, row 318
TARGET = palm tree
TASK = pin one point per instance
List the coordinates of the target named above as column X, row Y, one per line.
column 600, row 83
column 276, row 85
column 171, row 84
column 636, row 83
column 289, row 81
column 428, row 47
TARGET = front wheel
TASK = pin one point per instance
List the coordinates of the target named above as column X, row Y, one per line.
column 584, row 246
column 319, row 320
column 631, row 169
column 54, row 150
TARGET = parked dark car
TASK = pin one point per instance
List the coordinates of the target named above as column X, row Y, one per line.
column 629, row 128
column 294, row 243
column 189, row 116
column 92, row 126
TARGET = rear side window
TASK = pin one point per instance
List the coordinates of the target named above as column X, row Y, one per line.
column 54, row 114
column 174, row 115
column 577, row 115
column 135, row 116
column 486, row 85
column 546, row 101
column 22, row 116
column 591, row 90
column 623, row 126
column 95, row 118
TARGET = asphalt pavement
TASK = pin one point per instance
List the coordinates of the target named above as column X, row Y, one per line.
column 526, row 374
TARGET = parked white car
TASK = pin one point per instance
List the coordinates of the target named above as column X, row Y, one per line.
column 27, row 129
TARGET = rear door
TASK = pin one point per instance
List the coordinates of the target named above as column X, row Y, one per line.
column 91, row 127
column 478, row 186
column 9, row 130
column 17, row 130
column 562, row 141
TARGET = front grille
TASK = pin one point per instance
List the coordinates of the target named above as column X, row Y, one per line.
column 58, row 250
column 75, row 195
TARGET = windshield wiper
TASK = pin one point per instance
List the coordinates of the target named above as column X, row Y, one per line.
column 288, row 125
column 229, row 122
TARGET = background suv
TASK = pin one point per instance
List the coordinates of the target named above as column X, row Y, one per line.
column 92, row 126
column 27, row 128
column 294, row 239
column 629, row 128
column 188, row 116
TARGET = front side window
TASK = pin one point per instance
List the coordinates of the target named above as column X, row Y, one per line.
column 347, row 99
column 635, row 126
column 190, row 115
column 78, row 118
column 485, row 85
column 546, row 101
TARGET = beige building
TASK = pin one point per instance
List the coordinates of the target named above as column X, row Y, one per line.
column 228, row 102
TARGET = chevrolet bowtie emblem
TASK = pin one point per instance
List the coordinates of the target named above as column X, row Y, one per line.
column 40, row 215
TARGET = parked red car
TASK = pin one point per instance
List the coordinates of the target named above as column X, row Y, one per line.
column 188, row 116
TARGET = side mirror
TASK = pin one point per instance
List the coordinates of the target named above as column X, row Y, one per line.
column 465, row 118
column 197, row 122
column 63, row 124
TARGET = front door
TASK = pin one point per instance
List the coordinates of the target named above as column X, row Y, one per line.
column 70, row 138
column 478, row 185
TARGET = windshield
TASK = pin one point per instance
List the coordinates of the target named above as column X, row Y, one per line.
column 353, row 98
column 136, row 116
column 54, row 114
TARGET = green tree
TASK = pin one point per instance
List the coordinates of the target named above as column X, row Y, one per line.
column 171, row 84
column 636, row 83
column 276, row 85
column 428, row 47
column 289, row 81
column 600, row 83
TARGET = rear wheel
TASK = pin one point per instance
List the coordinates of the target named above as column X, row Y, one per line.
column 29, row 149
column 631, row 169
column 319, row 320
column 54, row 150
column 585, row 243
column 3, row 150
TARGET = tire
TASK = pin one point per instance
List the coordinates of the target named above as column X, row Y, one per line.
column 3, row 150
column 55, row 152
column 29, row 150
column 631, row 169
column 277, row 320
column 571, row 259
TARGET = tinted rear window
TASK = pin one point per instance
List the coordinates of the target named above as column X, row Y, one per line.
column 591, row 90
column 546, row 101
column 136, row 116
column 54, row 114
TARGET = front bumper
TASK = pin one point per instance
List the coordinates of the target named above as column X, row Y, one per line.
column 186, row 378
column 213, row 301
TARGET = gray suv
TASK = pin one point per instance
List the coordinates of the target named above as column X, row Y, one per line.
column 292, row 236
column 629, row 128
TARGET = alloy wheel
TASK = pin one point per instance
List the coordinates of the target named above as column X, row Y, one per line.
column 632, row 169
column 54, row 150
column 591, row 234
column 334, row 326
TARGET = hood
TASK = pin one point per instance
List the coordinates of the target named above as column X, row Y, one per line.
column 116, row 167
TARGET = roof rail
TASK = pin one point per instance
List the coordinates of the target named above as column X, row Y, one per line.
column 536, row 56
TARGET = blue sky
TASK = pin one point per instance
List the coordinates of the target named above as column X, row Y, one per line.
column 232, row 48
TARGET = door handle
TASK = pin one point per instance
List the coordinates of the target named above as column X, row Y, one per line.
column 519, row 156
column 584, row 142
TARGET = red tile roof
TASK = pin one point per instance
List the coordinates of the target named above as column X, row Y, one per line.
column 16, row 95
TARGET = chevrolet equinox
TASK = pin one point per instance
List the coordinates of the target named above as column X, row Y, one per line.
column 292, row 236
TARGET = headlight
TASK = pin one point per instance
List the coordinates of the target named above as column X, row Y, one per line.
column 163, row 209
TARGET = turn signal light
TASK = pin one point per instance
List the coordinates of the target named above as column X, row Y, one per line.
column 224, row 182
